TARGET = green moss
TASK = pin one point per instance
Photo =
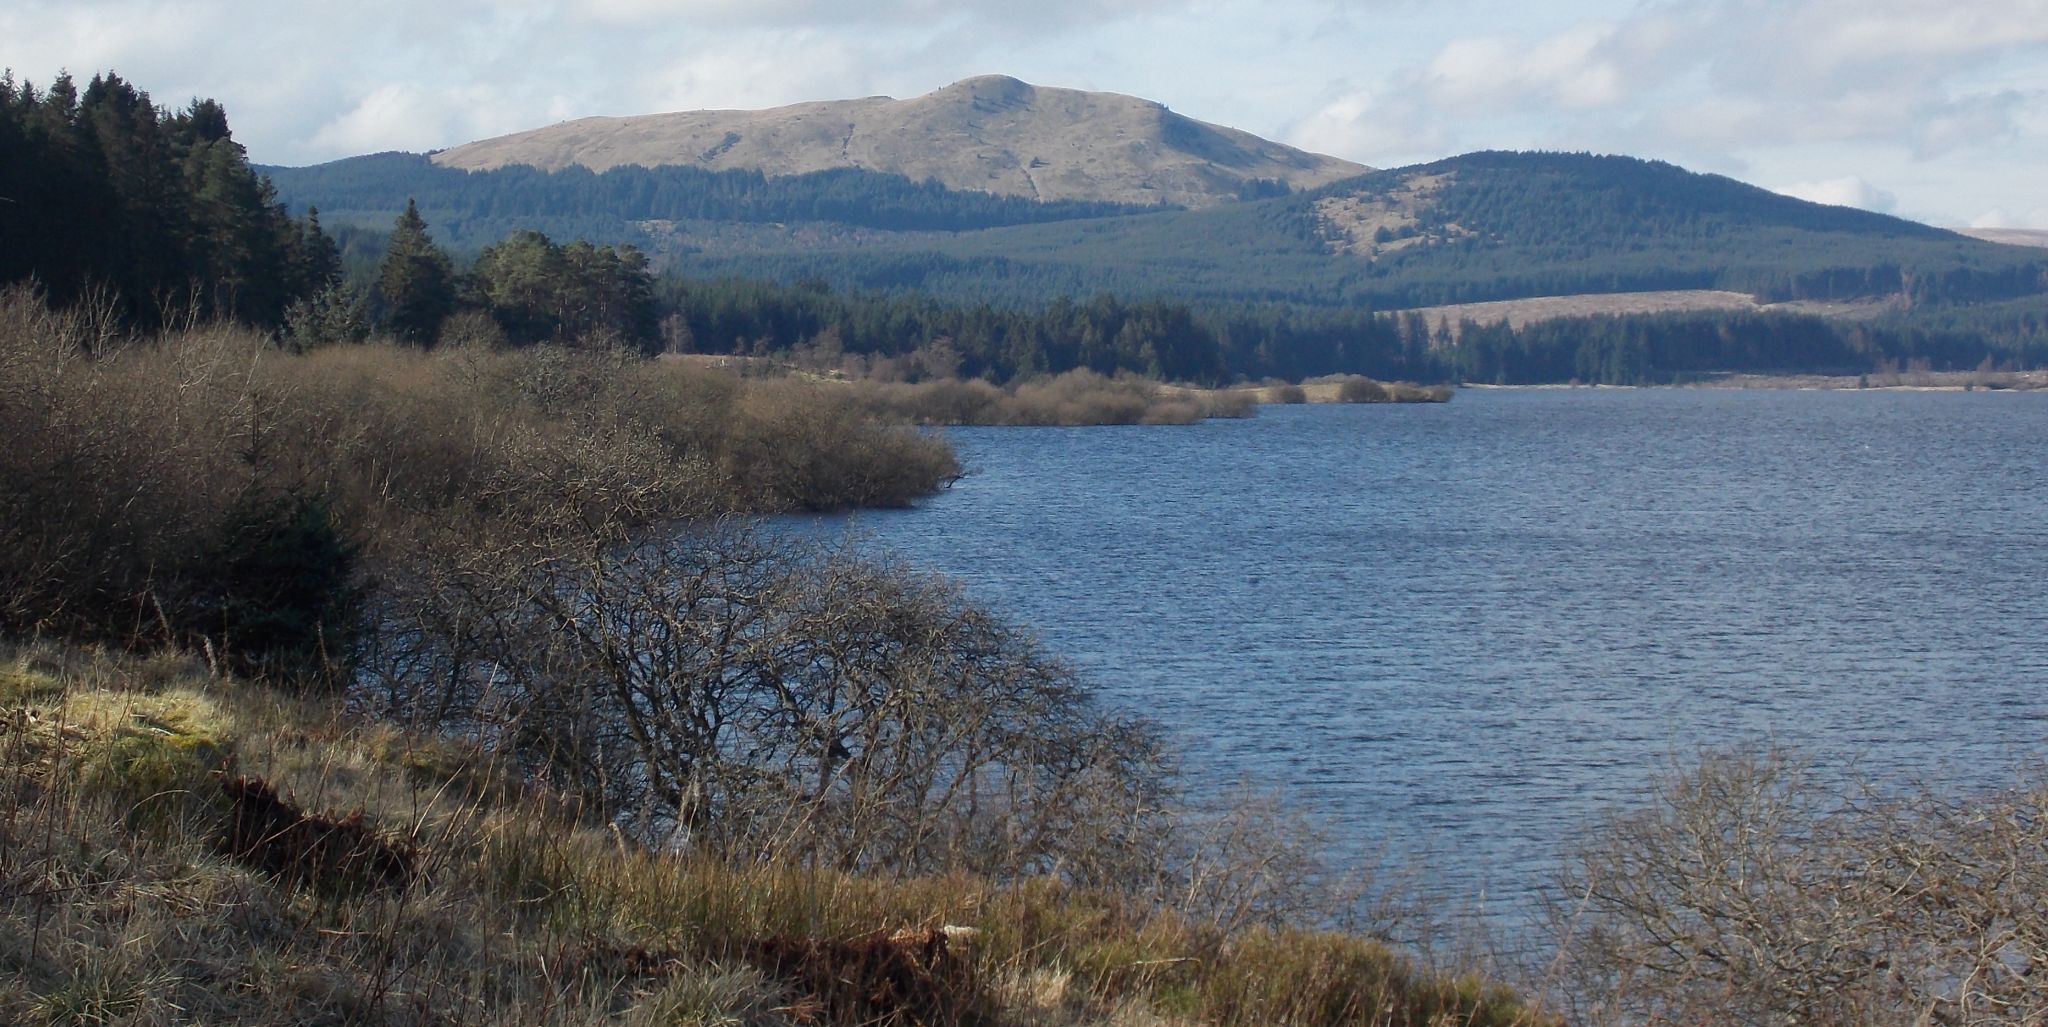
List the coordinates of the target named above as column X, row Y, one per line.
column 156, row 753
column 141, row 764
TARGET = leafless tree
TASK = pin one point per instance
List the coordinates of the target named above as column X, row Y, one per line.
column 1747, row 893
column 734, row 693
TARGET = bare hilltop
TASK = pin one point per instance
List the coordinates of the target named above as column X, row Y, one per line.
column 2008, row 236
column 990, row 134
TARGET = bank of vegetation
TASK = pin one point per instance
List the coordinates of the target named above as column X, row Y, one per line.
column 437, row 675
column 1079, row 397
column 179, row 847
column 442, row 679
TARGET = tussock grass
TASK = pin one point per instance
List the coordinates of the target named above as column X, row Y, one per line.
column 120, row 904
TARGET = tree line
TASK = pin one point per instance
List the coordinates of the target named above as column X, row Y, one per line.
column 531, row 289
column 1660, row 349
column 534, row 290
column 158, row 212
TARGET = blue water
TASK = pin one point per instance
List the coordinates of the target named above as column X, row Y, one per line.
column 1458, row 634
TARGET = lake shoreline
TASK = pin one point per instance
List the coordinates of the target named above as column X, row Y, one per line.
column 1907, row 381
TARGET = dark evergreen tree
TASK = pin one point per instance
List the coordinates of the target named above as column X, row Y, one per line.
column 105, row 192
column 540, row 292
column 416, row 284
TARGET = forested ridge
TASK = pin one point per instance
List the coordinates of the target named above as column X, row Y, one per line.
column 1500, row 226
column 473, row 206
column 1553, row 224
column 1492, row 225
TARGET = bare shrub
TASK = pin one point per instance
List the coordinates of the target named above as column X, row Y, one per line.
column 170, row 490
column 473, row 329
column 802, row 445
column 1748, row 894
column 1362, row 390
column 1083, row 397
column 734, row 695
column 138, row 499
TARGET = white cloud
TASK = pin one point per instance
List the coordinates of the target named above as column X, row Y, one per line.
column 405, row 117
column 1392, row 131
column 392, row 117
column 774, row 69
column 1849, row 191
column 1998, row 217
column 1043, row 16
column 1567, row 69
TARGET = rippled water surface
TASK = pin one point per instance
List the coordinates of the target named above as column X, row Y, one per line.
column 1459, row 632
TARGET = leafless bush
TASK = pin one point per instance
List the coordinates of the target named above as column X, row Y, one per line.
column 133, row 468
column 1749, row 894
column 121, row 470
column 803, row 445
column 735, row 695
column 1362, row 390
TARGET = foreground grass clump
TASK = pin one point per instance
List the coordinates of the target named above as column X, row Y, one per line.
column 123, row 898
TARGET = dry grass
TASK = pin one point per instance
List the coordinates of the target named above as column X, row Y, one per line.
column 1341, row 388
column 1521, row 313
column 120, row 904
column 1073, row 398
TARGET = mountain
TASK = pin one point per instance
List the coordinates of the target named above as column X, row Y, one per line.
column 1478, row 228
column 991, row 134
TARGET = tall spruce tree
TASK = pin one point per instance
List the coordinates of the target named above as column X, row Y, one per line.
column 416, row 285
column 106, row 191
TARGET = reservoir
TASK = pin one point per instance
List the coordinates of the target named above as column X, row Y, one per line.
column 1458, row 635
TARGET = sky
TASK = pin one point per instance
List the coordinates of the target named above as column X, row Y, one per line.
column 1935, row 110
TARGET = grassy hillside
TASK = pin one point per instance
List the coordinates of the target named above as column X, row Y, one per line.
column 178, row 848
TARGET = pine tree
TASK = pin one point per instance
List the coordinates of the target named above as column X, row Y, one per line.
column 416, row 285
